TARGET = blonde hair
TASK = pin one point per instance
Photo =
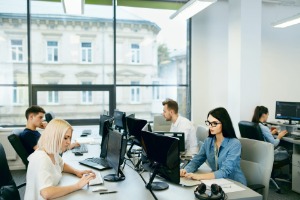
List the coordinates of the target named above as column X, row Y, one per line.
column 53, row 136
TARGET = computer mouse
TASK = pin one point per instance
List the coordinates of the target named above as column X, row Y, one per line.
column 78, row 154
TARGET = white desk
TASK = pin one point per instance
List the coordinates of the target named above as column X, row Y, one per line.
column 133, row 187
column 295, row 163
column 182, row 192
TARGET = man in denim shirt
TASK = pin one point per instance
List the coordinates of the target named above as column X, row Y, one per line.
column 221, row 149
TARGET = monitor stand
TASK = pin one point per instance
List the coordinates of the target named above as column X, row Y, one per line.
column 156, row 185
column 114, row 177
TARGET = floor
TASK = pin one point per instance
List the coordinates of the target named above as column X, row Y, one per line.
column 286, row 192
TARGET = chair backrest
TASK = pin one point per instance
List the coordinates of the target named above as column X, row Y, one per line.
column 15, row 141
column 8, row 188
column 257, row 162
column 250, row 130
column 49, row 116
column 201, row 134
column 160, row 123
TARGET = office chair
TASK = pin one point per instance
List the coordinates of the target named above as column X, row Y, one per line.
column 8, row 188
column 49, row 116
column 257, row 159
column 201, row 134
column 18, row 146
column 253, row 131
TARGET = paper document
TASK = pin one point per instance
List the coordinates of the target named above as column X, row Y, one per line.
column 88, row 140
column 226, row 185
column 188, row 182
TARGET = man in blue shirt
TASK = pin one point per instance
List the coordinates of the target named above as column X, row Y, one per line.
column 30, row 136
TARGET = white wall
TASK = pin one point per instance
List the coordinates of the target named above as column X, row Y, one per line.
column 280, row 61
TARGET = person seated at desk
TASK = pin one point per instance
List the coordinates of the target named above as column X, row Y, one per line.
column 46, row 166
column 260, row 116
column 221, row 149
column 181, row 124
column 30, row 136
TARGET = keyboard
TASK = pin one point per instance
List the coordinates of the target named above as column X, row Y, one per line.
column 99, row 161
column 98, row 180
column 96, row 163
column 81, row 149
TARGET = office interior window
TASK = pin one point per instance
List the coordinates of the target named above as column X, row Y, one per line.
column 155, row 90
column 86, row 96
column 86, row 52
column 52, row 51
column 135, row 53
column 17, row 50
column 135, row 96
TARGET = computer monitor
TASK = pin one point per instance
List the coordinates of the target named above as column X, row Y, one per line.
column 161, row 124
column 163, row 153
column 102, row 119
column 287, row 111
column 179, row 135
column 135, row 127
column 147, row 127
column 120, row 121
column 105, row 125
column 116, row 149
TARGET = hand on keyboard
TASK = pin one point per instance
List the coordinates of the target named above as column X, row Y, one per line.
column 85, row 180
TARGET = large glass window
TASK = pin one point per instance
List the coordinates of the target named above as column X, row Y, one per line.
column 83, row 50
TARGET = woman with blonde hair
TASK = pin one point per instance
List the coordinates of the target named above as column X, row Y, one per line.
column 46, row 166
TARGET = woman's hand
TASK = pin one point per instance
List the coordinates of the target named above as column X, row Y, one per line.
column 85, row 180
column 193, row 176
column 80, row 173
column 182, row 172
column 282, row 133
column 274, row 131
column 73, row 145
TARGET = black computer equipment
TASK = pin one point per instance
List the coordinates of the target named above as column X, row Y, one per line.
column 179, row 135
column 163, row 153
column 101, row 122
column 120, row 121
column 287, row 111
column 147, row 127
column 116, row 148
column 105, row 125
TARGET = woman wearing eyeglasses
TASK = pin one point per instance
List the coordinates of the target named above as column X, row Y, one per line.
column 222, row 150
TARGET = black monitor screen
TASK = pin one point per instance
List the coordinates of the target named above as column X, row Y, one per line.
column 106, row 125
column 163, row 152
column 102, row 119
column 179, row 135
column 287, row 110
column 120, row 120
column 116, row 149
column 135, row 127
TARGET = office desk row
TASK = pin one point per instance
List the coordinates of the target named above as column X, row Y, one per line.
column 133, row 187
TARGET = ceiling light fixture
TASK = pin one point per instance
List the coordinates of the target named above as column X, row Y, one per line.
column 287, row 22
column 73, row 6
column 191, row 8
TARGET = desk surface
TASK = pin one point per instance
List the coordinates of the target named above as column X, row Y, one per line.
column 133, row 187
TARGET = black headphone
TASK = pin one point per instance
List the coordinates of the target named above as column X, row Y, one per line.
column 216, row 192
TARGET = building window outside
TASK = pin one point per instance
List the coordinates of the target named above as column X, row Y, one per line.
column 53, row 96
column 17, row 50
column 16, row 94
column 52, row 51
column 135, row 96
column 86, row 96
column 135, row 53
column 86, row 52
column 155, row 90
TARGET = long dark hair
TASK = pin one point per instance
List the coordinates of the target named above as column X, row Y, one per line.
column 222, row 115
column 258, row 112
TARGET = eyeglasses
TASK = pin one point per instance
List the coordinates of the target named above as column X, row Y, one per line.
column 212, row 124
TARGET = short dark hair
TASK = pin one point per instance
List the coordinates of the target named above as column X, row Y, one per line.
column 173, row 105
column 258, row 112
column 222, row 115
column 35, row 110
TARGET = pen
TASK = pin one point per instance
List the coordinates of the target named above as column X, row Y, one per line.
column 108, row 192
